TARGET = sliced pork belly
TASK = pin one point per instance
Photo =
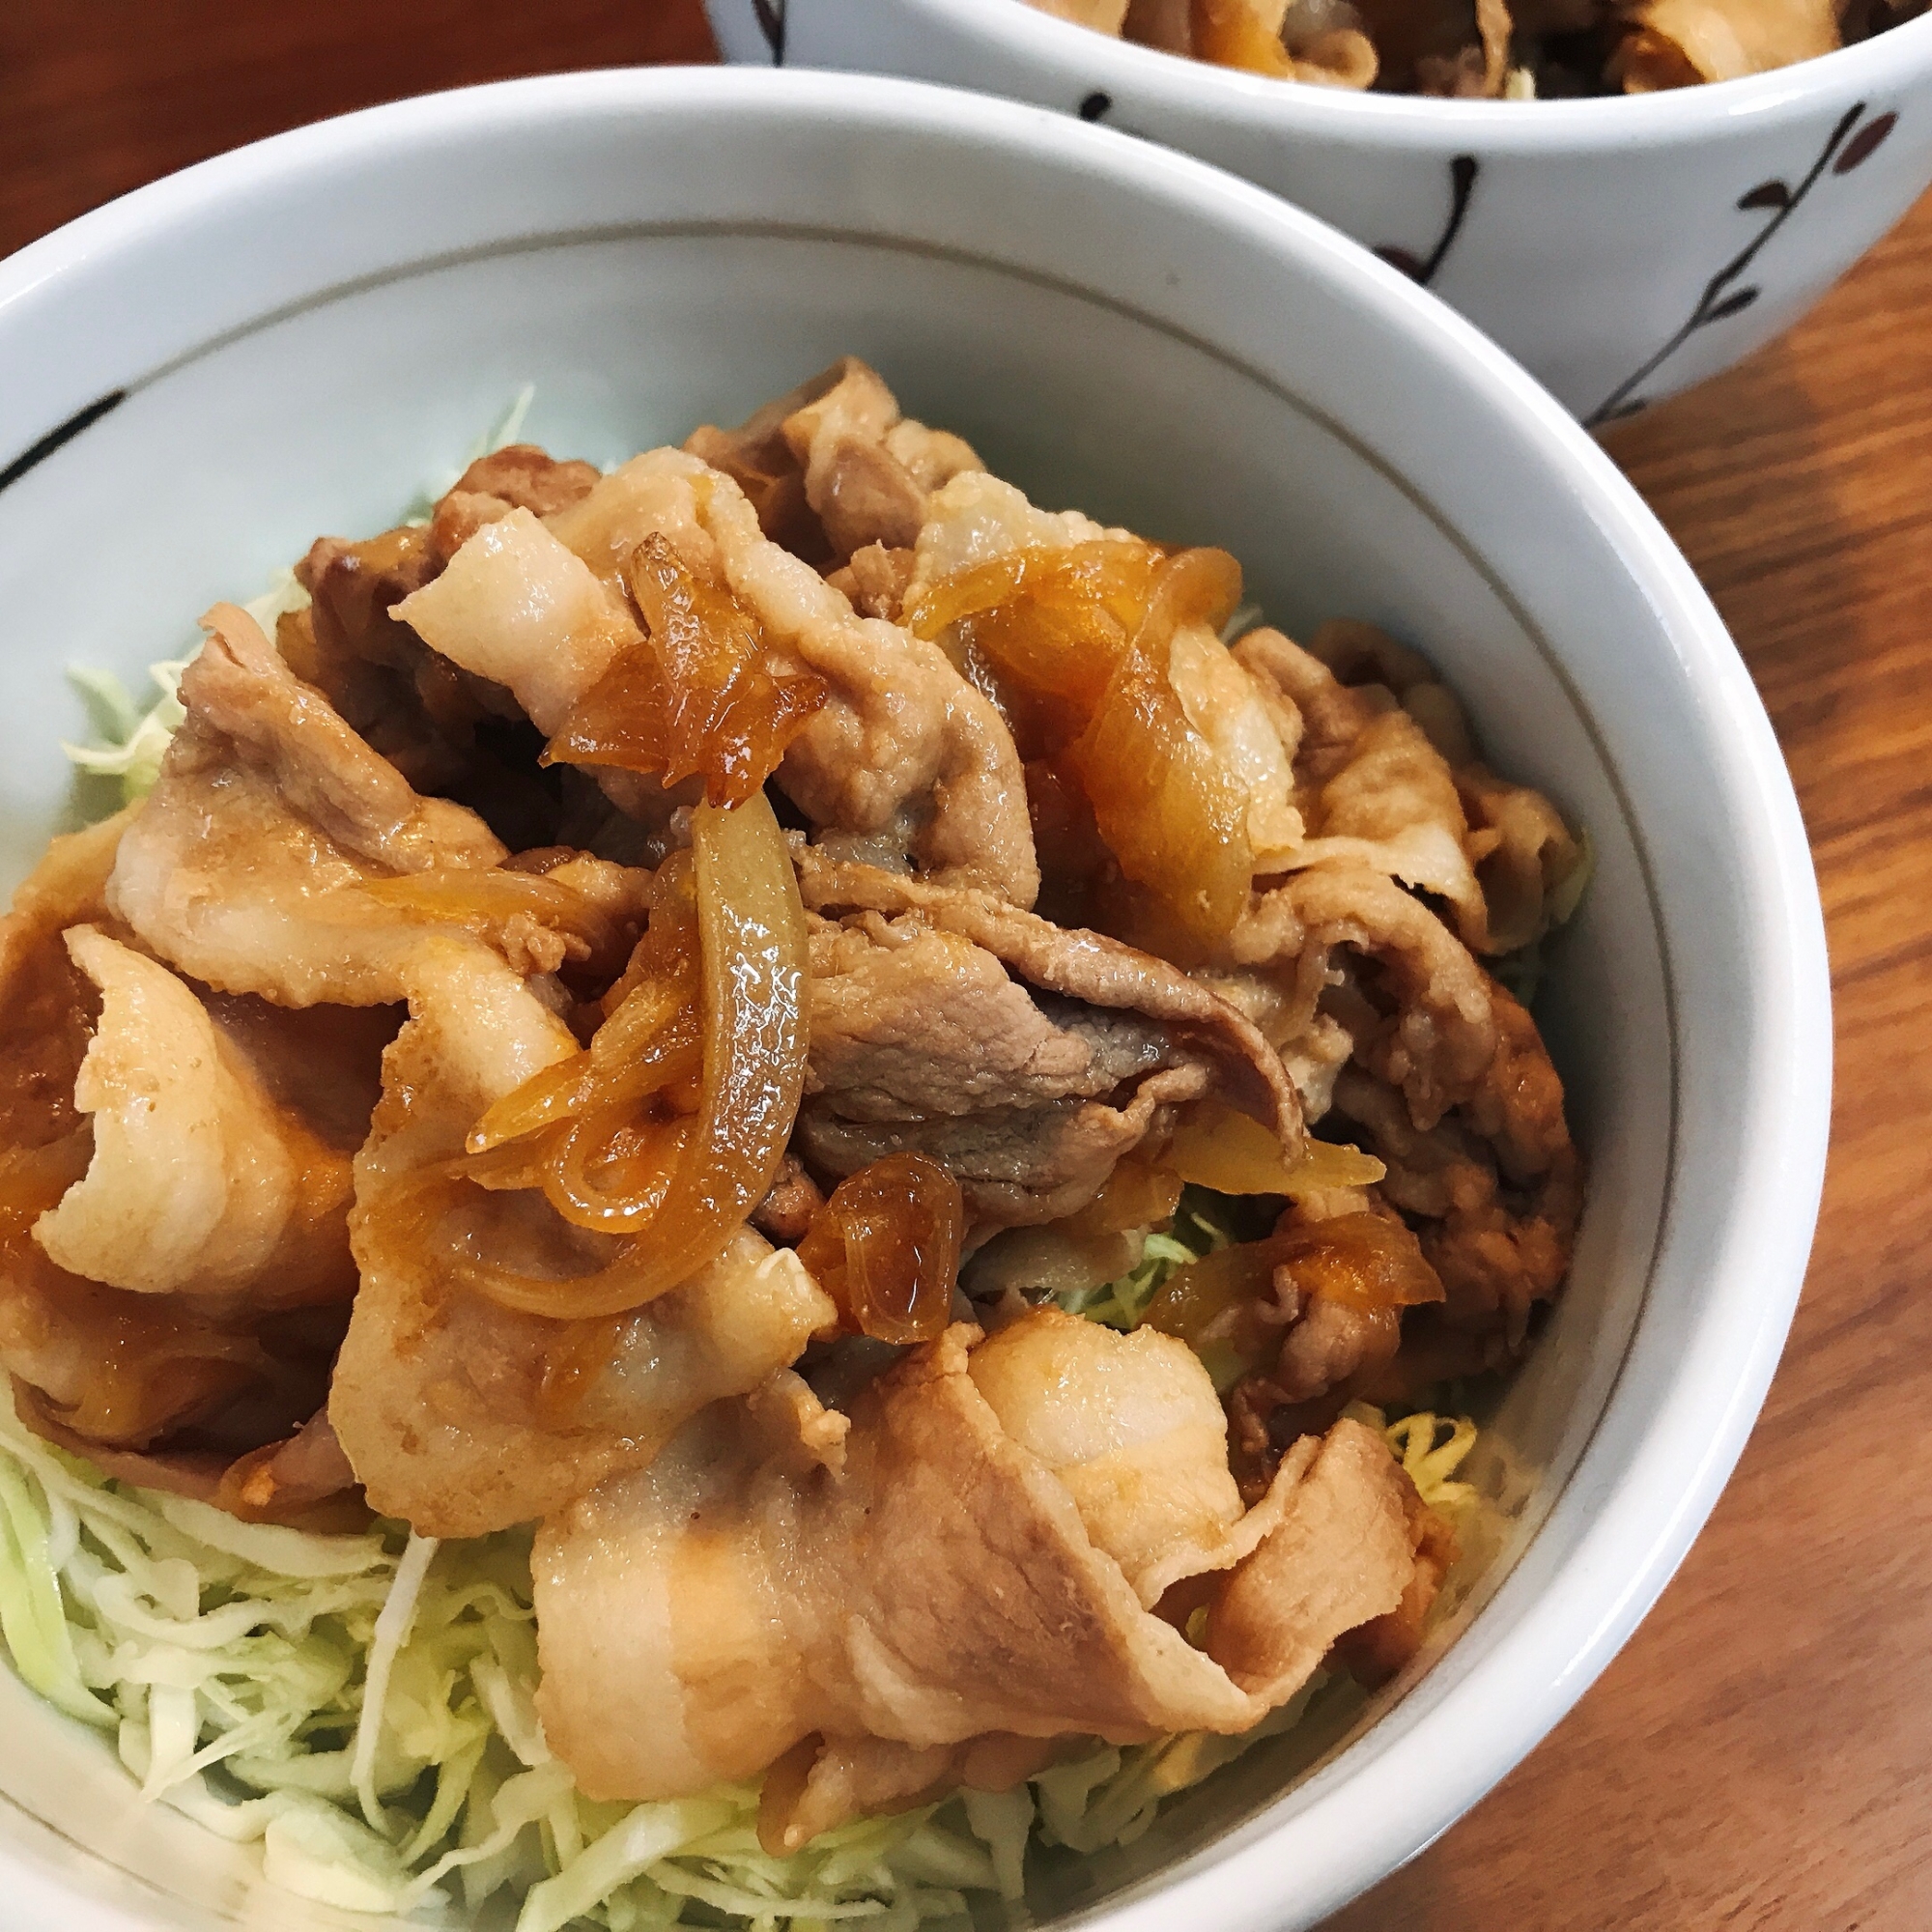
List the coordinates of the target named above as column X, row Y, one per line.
column 1134, row 1430
column 832, row 467
column 199, row 1181
column 515, row 605
column 463, row 1416
column 747, row 1592
column 905, row 763
column 243, row 867
column 173, row 1187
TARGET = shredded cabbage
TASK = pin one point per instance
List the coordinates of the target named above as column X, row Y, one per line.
column 134, row 740
column 1199, row 1228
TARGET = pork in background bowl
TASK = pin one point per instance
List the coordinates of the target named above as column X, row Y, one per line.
column 1621, row 248
column 290, row 338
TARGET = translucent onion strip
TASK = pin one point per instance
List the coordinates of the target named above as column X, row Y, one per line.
column 753, row 947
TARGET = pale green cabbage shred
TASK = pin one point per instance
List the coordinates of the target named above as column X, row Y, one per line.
column 362, row 1707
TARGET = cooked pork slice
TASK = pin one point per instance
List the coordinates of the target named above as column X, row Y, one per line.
column 1132, row 1427
column 1495, row 1188
column 905, row 763
column 832, row 465
column 1026, row 1058
column 1390, row 780
column 463, row 1416
column 822, row 1783
column 247, row 867
column 1394, row 807
column 444, row 728
column 867, row 470
column 1672, row 44
column 909, row 1023
column 173, row 1184
column 407, row 704
column 924, row 1040
column 303, row 1479
column 522, row 477
column 1447, row 1080
column 975, row 517
column 1427, row 1025
column 700, row 1619
column 517, row 606
column 922, row 1043
column 199, row 1182
column 48, row 1005
column 1340, row 1543
column 1078, row 966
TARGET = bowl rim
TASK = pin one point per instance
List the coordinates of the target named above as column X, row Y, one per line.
column 1703, row 1408
column 1595, row 122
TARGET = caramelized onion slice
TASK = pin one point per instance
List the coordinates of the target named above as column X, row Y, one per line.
column 1219, row 1147
column 886, row 1247
column 695, row 695
column 752, row 946
column 485, row 901
column 1042, row 628
column 1364, row 1260
column 1230, row 33
column 650, row 1038
column 1170, row 811
column 1076, row 645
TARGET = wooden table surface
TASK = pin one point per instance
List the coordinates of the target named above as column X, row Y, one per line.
column 1758, row 1756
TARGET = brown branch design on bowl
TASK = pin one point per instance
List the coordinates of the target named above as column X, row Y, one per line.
column 1728, row 293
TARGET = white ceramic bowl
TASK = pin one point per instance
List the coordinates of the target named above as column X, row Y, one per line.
column 1621, row 250
column 299, row 332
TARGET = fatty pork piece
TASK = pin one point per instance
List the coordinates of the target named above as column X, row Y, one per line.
column 199, row 1181
column 259, row 862
column 1025, row 1059
column 832, row 467
column 463, row 1416
column 1678, row 42
column 766, row 1589
column 243, row 868
column 443, row 729
column 905, row 764
column 174, row 1184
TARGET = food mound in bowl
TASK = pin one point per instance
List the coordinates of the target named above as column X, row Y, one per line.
column 814, row 1032
column 1495, row 50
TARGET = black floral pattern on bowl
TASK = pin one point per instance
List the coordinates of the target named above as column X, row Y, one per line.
column 772, row 24
column 1423, row 269
column 60, row 436
column 1727, row 293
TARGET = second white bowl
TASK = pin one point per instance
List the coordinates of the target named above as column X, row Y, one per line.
column 1621, row 250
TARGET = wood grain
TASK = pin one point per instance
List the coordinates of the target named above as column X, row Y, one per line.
column 1753, row 1760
